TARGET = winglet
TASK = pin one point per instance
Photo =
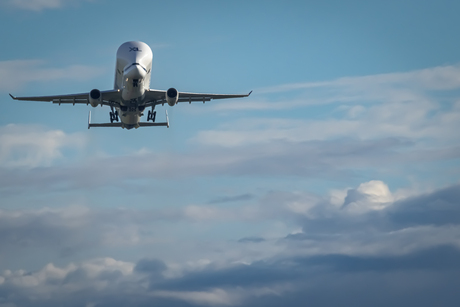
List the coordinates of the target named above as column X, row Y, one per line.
column 167, row 119
column 12, row 97
column 250, row 93
column 89, row 119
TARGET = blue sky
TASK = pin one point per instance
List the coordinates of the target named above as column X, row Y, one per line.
column 336, row 181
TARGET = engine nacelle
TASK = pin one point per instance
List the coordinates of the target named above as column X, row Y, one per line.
column 95, row 98
column 172, row 96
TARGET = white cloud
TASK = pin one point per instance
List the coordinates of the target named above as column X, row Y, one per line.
column 414, row 119
column 27, row 146
column 419, row 106
column 16, row 74
column 376, row 190
column 436, row 78
column 337, row 196
column 88, row 275
column 94, row 280
column 372, row 195
column 39, row 5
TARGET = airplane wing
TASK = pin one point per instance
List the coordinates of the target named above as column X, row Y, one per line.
column 110, row 98
column 155, row 97
column 113, row 97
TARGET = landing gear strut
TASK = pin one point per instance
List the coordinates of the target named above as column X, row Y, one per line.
column 113, row 115
column 152, row 114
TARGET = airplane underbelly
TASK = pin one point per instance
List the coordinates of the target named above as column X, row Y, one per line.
column 130, row 94
column 130, row 119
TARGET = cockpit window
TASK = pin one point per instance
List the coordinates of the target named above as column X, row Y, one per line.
column 136, row 64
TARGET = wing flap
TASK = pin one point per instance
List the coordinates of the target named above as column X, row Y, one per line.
column 155, row 97
column 201, row 96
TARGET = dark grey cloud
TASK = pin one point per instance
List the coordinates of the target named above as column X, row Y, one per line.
column 404, row 254
column 438, row 208
column 152, row 268
column 438, row 258
column 251, row 240
column 422, row 289
column 415, row 278
column 296, row 269
column 33, row 235
column 341, row 279
column 61, row 231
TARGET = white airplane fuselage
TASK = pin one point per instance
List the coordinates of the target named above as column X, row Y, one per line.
column 132, row 78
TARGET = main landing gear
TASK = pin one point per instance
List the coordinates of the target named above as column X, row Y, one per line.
column 152, row 114
column 113, row 115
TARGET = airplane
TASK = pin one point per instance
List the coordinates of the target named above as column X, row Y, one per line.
column 131, row 94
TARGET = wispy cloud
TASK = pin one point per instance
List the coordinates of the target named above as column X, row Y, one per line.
column 39, row 5
column 33, row 146
column 436, row 78
column 389, row 88
column 17, row 74
column 227, row 199
column 420, row 105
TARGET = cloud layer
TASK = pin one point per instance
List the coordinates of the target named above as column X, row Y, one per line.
column 355, row 204
column 408, row 248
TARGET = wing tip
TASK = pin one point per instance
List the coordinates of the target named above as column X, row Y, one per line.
column 13, row 97
column 250, row 93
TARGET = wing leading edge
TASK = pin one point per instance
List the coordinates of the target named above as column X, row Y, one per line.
column 109, row 98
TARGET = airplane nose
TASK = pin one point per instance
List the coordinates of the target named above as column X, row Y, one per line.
column 135, row 71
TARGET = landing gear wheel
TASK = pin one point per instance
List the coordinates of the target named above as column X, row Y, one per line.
column 113, row 115
column 151, row 116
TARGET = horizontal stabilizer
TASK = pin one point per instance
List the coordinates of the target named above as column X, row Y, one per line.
column 122, row 125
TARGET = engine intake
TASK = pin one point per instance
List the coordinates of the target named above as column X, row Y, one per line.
column 95, row 97
column 172, row 96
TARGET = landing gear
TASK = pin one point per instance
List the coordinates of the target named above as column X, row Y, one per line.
column 152, row 114
column 113, row 115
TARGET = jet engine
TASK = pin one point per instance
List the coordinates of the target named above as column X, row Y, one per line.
column 95, row 98
column 172, row 96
